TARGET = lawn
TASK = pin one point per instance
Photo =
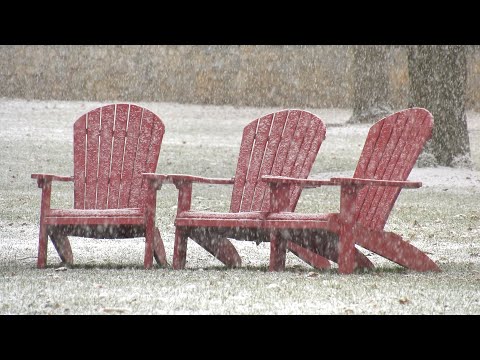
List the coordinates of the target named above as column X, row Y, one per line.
column 441, row 218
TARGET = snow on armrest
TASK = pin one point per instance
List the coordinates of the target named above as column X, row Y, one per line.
column 373, row 182
column 179, row 178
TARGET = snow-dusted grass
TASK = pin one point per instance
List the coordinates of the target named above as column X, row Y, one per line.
column 441, row 218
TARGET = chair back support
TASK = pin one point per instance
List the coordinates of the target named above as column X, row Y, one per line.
column 113, row 146
column 283, row 143
column 390, row 152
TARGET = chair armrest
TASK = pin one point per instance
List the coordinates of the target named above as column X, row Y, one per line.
column 50, row 177
column 373, row 182
column 339, row 181
column 280, row 187
column 158, row 179
column 184, row 185
column 43, row 178
column 285, row 180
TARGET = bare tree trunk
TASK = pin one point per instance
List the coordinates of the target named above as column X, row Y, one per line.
column 370, row 87
column 438, row 81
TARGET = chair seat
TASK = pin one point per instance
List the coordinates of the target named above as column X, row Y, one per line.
column 127, row 216
column 247, row 219
column 290, row 220
column 290, row 216
column 257, row 215
column 217, row 219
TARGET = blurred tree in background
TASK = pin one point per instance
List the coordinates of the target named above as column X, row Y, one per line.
column 438, row 82
column 370, row 83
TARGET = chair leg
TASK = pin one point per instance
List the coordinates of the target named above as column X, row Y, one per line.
column 159, row 249
column 220, row 247
column 62, row 245
column 394, row 248
column 149, row 239
column 329, row 249
column 311, row 258
column 346, row 251
column 42, row 246
column 180, row 249
column 278, row 252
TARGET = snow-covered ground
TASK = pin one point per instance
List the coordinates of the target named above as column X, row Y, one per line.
column 441, row 218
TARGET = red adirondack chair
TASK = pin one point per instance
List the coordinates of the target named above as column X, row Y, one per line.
column 113, row 146
column 391, row 149
column 282, row 143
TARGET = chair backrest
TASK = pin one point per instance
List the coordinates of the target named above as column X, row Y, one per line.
column 113, row 146
column 283, row 143
column 391, row 150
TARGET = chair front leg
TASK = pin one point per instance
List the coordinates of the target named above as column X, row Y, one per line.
column 150, row 208
column 180, row 249
column 279, row 201
column 183, row 204
column 278, row 251
column 46, row 186
column 346, row 244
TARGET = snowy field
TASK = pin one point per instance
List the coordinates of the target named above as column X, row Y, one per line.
column 442, row 218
